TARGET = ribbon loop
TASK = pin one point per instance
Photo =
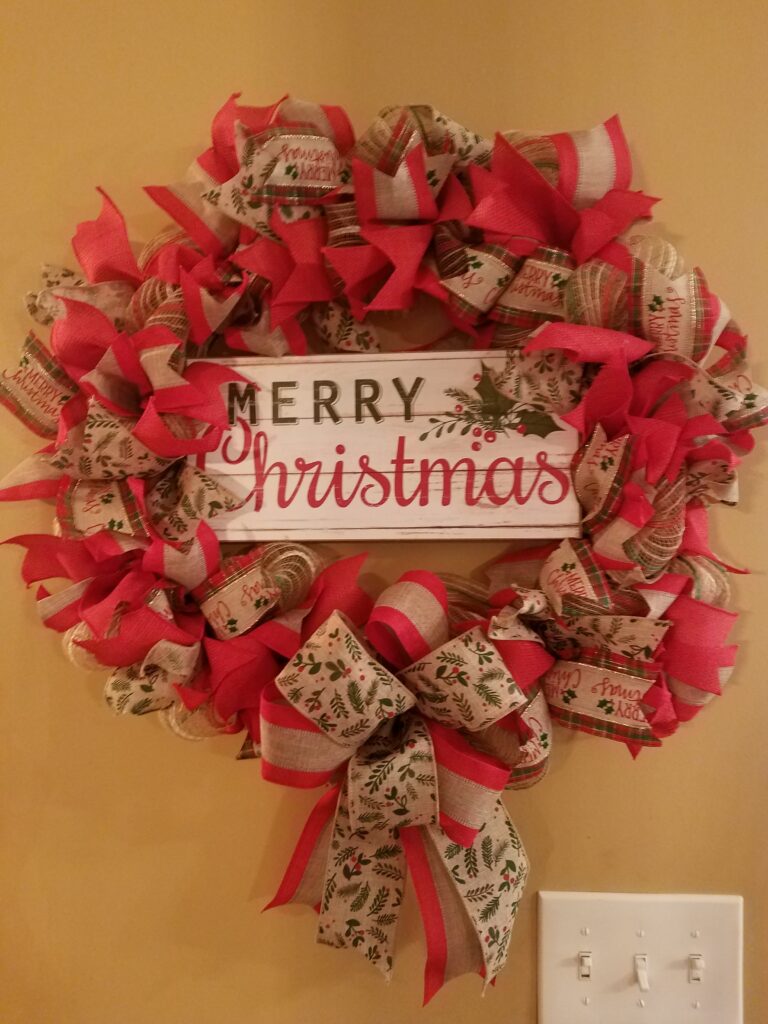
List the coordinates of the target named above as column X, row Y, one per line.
column 150, row 685
column 295, row 752
column 464, row 683
column 337, row 684
column 409, row 619
column 393, row 777
column 602, row 696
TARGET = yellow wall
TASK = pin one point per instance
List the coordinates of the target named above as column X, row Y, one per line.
column 134, row 865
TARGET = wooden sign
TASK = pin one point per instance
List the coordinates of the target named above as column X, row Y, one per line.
column 391, row 447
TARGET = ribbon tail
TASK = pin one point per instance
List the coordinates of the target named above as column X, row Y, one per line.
column 468, row 897
column 303, row 878
column 432, row 887
column 363, row 889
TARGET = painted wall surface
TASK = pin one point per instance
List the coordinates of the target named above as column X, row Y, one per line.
column 134, row 865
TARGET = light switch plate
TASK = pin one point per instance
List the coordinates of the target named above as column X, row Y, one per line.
column 614, row 928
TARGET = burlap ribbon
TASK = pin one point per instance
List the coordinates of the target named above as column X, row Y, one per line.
column 415, row 785
column 289, row 234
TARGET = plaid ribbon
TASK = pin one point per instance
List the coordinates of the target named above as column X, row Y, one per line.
column 89, row 506
column 238, row 595
column 598, row 698
column 535, row 294
column 37, row 389
column 417, row 725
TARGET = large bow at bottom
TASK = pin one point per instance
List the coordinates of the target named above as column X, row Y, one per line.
column 408, row 792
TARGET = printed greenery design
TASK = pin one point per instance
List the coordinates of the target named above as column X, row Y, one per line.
column 490, row 876
column 363, row 888
column 182, row 497
column 632, row 638
column 107, row 449
column 395, row 785
column 465, row 683
column 338, row 328
column 349, row 687
column 356, row 909
column 130, row 691
column 489, row 411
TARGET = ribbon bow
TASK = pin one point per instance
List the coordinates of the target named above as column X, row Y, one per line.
column 417, row 759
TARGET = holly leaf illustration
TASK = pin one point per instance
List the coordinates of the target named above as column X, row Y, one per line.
column 538, row 423
column 495, row 405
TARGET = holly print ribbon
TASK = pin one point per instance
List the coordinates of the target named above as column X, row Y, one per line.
column 416, row 710
column 411, row 794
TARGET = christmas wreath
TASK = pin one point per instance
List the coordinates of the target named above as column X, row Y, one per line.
column 413, row 711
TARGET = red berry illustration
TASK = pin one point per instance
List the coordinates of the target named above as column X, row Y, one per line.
column 477, row 432
column 476, row 446
column 521, row 429
column 477, row 376
column 459, row 408
column 490, row 436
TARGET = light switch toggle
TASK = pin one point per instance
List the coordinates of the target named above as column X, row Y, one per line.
column 695, row 968
column 641, row 972
column 585, row 966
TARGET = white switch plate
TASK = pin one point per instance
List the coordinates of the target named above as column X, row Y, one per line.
column 614, row 927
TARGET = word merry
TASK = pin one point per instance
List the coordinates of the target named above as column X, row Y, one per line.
column 568, row 581
column 309, row 163
column 537, row 282
column 325, row 396
column 666, row 322
column 583, row 685
column 47, row 396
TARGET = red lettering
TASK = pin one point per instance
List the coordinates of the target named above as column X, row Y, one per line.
column 227, row 453
column 429, row 481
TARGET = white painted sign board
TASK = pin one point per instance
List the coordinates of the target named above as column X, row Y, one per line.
column 417, row 445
